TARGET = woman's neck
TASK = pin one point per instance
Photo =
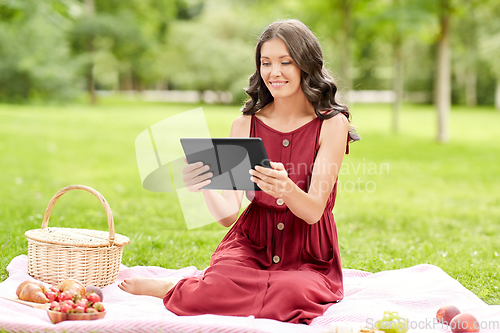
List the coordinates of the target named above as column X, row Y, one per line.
column 292, row 107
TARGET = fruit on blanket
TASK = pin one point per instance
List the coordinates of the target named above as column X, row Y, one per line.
column 446, row 313
column 32, row 291
column 73, row 286
column 392, row 323
column 94, row 289
column 464, row 322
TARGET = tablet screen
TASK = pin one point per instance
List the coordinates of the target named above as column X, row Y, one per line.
column 229, row 159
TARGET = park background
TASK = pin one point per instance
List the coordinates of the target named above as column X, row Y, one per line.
column 422, row 186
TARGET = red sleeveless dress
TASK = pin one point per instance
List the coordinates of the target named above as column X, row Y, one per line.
column 271, row 264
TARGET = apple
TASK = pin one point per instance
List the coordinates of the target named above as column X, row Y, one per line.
column 464, row 322
column 446, row 313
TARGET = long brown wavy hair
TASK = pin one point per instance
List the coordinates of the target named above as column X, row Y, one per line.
column 305, row 50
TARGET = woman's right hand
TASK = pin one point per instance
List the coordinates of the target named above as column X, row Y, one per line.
column 194, row 177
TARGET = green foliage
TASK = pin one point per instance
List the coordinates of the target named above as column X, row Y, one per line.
column 49, row 48
column 36, row 63
column 402, row 200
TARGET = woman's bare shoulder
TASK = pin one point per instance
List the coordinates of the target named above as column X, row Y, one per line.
column 334, row 127
column 241, row 126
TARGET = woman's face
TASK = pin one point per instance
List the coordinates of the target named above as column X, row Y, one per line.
column 278, row 70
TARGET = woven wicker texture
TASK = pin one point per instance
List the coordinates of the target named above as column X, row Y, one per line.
column 90, row 256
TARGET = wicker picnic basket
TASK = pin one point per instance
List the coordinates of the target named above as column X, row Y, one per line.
column 90, row 256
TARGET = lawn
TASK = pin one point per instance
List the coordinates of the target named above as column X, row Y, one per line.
column 403, row 199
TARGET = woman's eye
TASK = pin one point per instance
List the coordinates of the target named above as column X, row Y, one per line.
column 286, row 63
column 265, row 64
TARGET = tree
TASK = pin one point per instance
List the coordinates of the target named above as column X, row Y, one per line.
column 443, row 71
column 35, row 62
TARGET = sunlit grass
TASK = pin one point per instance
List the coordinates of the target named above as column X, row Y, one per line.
column 403, row 199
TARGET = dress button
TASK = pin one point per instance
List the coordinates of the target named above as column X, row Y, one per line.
column 286, row 143
column 280, row 201
column 276, row 259
column 281, row 226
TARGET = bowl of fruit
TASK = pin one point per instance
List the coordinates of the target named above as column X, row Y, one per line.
column 67, row 305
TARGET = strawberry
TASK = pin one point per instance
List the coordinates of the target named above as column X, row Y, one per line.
column 65, row 307
column 98, row 306
column 51, row 295
column 91, row 310
column 54, row 305
column 70, row 303
column 83, row 303
column 67, row 295
column 93, row 298
column 79, row 309
column 55, row 290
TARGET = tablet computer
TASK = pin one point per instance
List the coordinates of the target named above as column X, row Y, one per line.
column 229, row 160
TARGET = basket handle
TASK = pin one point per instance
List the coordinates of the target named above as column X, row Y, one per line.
column 107, row 209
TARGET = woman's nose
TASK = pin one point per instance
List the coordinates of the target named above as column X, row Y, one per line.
column 276, row 71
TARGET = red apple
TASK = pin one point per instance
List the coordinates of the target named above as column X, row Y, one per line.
column 446, row 313
column 464, row 322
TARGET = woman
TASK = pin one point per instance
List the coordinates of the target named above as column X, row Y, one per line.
column 281, row 259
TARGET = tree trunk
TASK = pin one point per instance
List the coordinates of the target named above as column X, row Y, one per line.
column 470, row 88
column 90, row 11
column 346, row 9
column 398, row 74
column 443, row 77
column 89, row 7
column 91, row 85
column 497, row 95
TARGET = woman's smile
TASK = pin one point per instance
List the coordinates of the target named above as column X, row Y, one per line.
column 278, row 84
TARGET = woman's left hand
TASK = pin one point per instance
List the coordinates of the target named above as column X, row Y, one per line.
column 274, row 182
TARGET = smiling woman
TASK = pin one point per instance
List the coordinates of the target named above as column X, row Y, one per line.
column 281, row 258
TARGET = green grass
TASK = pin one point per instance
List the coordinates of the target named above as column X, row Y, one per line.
column 403, row 199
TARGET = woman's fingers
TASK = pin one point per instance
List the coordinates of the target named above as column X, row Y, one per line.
column 193, row 167
column 197, row 187
column 195, row 176
column 198, row 179
column 273, row 181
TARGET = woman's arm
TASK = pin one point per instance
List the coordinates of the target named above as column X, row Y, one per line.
column 224, row 207
column 309, row 206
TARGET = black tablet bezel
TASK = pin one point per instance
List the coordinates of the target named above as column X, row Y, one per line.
column 254, row 147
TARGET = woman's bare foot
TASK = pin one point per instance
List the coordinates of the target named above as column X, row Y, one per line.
column 147, row 286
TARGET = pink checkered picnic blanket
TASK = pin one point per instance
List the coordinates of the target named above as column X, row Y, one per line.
column 416, row 293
